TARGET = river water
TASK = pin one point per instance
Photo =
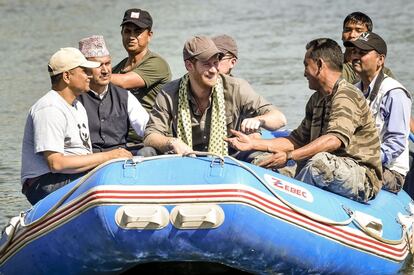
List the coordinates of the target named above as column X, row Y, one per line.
column 271, row 36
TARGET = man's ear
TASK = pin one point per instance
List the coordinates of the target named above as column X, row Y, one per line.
column 66, row 77
column 188, row 65
column 381, row 60
column 233, row 62
column 320, row 63
column 150, row 33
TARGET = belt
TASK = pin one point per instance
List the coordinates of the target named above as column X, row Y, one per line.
column 28, row 183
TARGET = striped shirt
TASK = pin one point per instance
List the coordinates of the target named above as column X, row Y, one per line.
column 346, row 115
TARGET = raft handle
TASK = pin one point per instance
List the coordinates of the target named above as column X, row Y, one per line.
column 142, row 217
column 197, row 216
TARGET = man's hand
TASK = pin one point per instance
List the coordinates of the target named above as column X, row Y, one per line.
column 275, row 160
column 251, row 125
column 119, row 153
column 240, row 141
column 179, row 147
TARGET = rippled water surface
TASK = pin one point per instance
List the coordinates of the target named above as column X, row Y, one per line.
column 271, row 36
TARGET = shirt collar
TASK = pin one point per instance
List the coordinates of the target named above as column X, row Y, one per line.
column 370, row 87
column 101, row 95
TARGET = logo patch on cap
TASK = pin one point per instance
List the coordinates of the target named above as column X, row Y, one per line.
column 364, row 36
column 135, row 15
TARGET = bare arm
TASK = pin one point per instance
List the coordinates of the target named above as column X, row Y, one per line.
column 325, row 143
column 158, row 141
column 165, row 144
column 130, row 80
column 59, row 163
column 412, row 125
column 273, row 120
column 243, row 142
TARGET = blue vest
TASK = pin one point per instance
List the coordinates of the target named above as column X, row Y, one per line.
column 108, row 118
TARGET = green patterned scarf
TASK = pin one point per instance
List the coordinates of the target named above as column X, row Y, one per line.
column 218, row 128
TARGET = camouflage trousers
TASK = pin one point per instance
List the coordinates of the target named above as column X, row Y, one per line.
column 392, row 181
column 340, row 175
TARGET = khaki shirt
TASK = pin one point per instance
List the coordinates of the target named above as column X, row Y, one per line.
column 155, row 72
column 345, row 114
column 241, row 102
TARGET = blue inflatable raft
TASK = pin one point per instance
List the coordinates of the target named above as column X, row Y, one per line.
column 205, row 209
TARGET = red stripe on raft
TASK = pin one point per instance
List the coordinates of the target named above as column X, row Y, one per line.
column 340, row 234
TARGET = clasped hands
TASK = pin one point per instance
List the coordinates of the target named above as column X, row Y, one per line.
column 248, row 125
column 243, row 142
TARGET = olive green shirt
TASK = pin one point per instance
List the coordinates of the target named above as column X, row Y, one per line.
column 346, row 115
column 352, row 77
column 155, row 72
column 241, row 102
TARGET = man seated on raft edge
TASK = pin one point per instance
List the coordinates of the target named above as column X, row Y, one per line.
column 336, row 145
column 56, row 147
column 390, row 104
column 353, row 26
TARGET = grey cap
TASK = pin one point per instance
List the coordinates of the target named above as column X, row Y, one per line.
column 201, row 48
column 226, row 44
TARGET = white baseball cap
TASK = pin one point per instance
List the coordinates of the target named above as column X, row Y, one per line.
column 69, row 58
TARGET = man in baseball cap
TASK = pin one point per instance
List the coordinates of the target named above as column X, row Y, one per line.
column 66, row 59
column 390, row 104
column 353, row 26
column 201, row 48
column 368, row 41
column 143, row 72
column 139, row 17
column 227, row 45
column 197, row 111
column 56, row 144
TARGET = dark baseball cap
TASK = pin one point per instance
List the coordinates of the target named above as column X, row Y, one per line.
column 201, row 48
column 369, row 41
column 226, row 44
column 139, row 17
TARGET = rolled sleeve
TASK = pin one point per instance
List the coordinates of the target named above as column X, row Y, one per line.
column 153, row 70
column 344, row 120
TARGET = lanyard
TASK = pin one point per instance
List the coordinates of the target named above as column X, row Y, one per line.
column 373, row 94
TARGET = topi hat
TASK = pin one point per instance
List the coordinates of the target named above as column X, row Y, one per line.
column 226, row 44
column 201, row 48
column 138, row 17
column 67, row 59
column 369, row 41
column 93, row 46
